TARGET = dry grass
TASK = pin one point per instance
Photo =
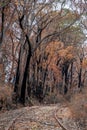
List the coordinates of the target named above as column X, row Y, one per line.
column 78, row 103
column 78, row 107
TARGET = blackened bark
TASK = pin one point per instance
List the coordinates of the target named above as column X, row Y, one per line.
column 66, row 80
column 65, row 76
column 26, row 71
column 17, row 75
column 79, row 78
column 71, row 75
column 22, row 73
column 2, row 25
column 45, row 75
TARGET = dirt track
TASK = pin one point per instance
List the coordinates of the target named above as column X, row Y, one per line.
column 53, row 117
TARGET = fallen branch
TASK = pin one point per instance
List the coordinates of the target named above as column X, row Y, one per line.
column 58, row 121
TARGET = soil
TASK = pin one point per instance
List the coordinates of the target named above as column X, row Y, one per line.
column 46, row 117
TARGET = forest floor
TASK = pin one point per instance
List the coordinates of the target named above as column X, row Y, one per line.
column 56, row 112
column 43, row 117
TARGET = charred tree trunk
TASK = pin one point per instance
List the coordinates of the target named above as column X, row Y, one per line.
column 2, row 25
column 26, row 71
column 17, row 75
column 66, row 80
column 22, row 75
column 65, row 77
column 71, row 76
column 80, row 78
